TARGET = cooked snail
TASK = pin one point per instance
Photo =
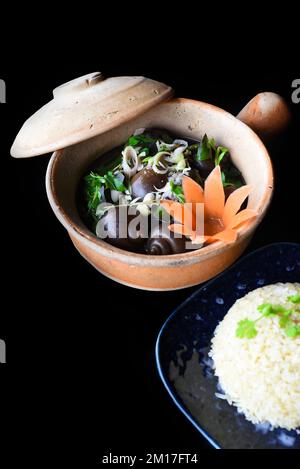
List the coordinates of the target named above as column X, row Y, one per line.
column 163, row 242
column 146, row 181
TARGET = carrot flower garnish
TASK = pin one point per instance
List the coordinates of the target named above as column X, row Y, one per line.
column 221, row 219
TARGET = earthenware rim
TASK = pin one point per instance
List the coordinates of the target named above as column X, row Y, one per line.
column 86, row 237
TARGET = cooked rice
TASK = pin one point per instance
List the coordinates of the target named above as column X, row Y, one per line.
column 261, row 376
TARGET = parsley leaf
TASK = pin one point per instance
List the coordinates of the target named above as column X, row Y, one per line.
column 285, row 318
column 93, row 183
column 294, row 299
column 119, row 185
column 267, row 309
column 292, row 330
column 110, row 181
column 246, row 329
column 136, row 140
column 287, row 321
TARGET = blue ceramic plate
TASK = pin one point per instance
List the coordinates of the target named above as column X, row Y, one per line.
column 184, row 341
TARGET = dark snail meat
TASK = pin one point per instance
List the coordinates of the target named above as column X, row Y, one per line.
column 147, row 181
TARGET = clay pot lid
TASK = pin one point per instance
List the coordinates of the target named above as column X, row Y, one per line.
column 87, row 106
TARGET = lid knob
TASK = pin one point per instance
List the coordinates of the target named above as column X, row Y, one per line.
column 78, row 84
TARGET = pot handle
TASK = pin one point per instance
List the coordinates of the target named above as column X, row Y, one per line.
column 267, row 114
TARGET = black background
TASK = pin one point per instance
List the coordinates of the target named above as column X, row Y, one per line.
column 80, row 368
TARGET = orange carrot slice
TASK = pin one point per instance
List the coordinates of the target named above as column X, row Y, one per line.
column 180, row 212
column 234, row 202
column 214, row 197
column 175, row 209
column 193, row 192
column 241, row 217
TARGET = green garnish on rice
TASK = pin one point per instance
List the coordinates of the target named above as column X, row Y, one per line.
column 289, row 319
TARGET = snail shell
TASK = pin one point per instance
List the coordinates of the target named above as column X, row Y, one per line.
column 162, row 241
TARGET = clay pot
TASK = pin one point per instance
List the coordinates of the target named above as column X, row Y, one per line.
column 183, row 118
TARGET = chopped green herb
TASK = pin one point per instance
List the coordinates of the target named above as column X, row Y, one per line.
column 110, row 181
column 136, row 140
column 246, row 328
column 294, row 299
column 283, row 321
column 267, row 309
column 93, row 184
column 119, row 186
column 292, row 330
column 145, row 150
column 132, row 141
column 178, row 191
